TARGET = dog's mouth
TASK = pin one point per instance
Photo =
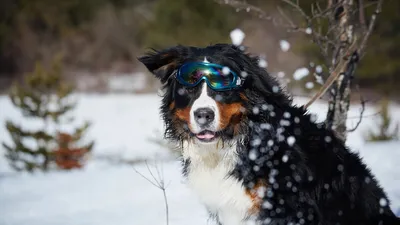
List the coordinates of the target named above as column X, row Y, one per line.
column 206, row 136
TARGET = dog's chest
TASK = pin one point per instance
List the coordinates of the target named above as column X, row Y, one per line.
column 222, row 194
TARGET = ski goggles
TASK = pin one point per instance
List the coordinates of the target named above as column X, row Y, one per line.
column 216, row 76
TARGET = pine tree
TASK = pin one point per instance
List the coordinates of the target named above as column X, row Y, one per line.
column 43, row 96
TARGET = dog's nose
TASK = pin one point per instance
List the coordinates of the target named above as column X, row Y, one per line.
column 204, row 116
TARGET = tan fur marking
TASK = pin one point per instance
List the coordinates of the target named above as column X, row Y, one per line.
column 255, row 198
column 243, row 97
column 230, row 114
column 172, row 106
column 183, row 114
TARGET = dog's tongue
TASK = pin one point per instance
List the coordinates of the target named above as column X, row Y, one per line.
column 205, row 135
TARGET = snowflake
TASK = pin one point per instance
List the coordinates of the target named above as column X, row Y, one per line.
column 181, row 91
column 253, row 155
column 237, row 36
column 226, row 70
column 318, row 69
column 383, row 202
column 262, row 63
column 256, row 142
column 310, row 85
column 301, row 73
column 244, row 74
column 256, row 110
column 285, row 158
column 285, row 45
column 291, row 140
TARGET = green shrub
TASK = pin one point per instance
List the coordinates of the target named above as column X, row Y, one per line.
column 384, row 133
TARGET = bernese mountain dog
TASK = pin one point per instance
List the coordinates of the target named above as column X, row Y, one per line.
column 249, row 153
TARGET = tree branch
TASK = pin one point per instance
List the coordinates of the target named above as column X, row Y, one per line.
column 361, row 9
column 370, row 28
column 362, row 101
column 158, row 183
column 333, row 76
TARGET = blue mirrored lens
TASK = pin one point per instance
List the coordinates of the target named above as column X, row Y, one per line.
column 217, row 76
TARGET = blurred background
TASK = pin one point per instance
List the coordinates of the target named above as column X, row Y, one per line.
column 83, row 119
column 101, row 39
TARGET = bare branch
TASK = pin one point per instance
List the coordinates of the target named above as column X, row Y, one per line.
column 152, row 175
column 333, row 76
column 361, row 9
column 370, row 115
column 144, row 177
column 362, row 110
column 160, row 184
column 370, row 28
column 298, row 8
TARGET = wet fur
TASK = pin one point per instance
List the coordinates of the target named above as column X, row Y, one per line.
column 315, row 180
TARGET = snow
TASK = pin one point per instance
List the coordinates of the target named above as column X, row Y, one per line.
column 291, row 140
column 126, row 82
column 262, row 63
column 237, row 36
column 285, row 45
column 300, row 73
column 309, row 85
column 113, row 193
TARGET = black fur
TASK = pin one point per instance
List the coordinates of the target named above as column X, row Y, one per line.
column 311, row 176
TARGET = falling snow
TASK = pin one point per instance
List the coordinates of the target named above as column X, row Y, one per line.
column 285, row 45
column 253, row 154
column 284, row 123
column 270, row 143
column 383, row 202
column 237, row 36
column 262, row 63
column 310, row 85
column 226, row 70
column 181, row 91
column 318, row 69
column 256, row 110
column 255, row 142
column 113, row 204
column 285, row 158
column 265, row 126
column 301, row 73
column 328, row 139
column 202, row 121
column 291, row 140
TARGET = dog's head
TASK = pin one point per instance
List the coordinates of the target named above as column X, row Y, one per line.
column 202, row 114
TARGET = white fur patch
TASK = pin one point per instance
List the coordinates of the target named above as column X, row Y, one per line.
column 204, row 101
column 208, row 178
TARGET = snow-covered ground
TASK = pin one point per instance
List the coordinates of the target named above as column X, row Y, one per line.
column 104, row 193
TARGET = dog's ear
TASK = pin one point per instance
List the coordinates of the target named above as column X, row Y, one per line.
column 163, row 63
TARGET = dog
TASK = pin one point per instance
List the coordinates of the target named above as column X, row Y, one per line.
column 250, row 154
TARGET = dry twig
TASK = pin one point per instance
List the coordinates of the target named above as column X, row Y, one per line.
column 159, row 183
